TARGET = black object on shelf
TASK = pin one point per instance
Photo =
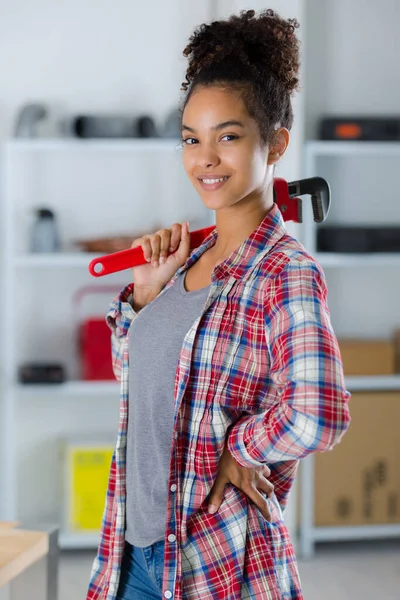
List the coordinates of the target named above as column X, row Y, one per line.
column 358, row 239
column 146, row 127
column 41, row 373
column 355, row 128
column 87, row 126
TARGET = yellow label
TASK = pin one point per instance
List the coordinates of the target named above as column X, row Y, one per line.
column 89, row 472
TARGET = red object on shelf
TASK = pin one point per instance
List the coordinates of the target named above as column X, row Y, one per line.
column 95, row 349
column 94, row 339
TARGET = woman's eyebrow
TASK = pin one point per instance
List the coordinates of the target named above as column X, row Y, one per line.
column 217, row 127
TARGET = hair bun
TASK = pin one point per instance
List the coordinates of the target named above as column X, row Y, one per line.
column 265, row 44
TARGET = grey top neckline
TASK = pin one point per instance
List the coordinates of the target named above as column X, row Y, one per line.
column 183, row 292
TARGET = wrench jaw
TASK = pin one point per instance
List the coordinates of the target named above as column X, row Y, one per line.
column 319, row 190
column 318, row 208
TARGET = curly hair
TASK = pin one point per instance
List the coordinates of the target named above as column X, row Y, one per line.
column 255, row 56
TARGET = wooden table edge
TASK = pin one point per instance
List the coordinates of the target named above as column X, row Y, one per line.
column 30, row 555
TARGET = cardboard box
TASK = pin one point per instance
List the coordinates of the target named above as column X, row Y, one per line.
column 367, row 357
column 358, row 482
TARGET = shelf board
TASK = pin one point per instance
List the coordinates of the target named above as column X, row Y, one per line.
column 93, row 145
column 338, row 259
column 69, row 541
column 373, row 382
column 56, row 259
column 90, row 388
column 355, row 532
column 70, row 388
column 346, row 148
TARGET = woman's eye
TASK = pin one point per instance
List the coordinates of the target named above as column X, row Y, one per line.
column 189, row 141
column 230, row 135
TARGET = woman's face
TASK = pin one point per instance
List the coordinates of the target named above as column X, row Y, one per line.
column 221, row 140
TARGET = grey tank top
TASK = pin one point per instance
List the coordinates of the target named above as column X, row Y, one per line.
column 155, row 340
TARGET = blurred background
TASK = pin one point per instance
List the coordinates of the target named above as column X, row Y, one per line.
column 90, row 160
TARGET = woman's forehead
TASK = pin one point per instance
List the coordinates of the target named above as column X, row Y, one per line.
column 214, row 105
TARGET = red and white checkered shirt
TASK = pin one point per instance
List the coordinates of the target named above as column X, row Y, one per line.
column 260, row 370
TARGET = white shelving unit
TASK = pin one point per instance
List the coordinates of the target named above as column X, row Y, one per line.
column 309, row 534
column 96, row 188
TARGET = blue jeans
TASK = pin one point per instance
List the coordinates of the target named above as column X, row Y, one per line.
column 142, row 572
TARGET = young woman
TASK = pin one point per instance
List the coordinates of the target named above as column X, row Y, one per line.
column 230, row 370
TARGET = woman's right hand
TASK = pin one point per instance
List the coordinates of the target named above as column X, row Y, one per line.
column 161, row 265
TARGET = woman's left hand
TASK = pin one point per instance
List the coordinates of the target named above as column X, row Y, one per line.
column 246, row 479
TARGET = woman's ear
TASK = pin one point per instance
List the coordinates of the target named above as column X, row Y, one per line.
column 278, row 145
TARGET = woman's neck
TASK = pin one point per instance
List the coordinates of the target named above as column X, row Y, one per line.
column 233, row 228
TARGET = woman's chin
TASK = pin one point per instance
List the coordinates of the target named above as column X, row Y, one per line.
column 214, row 201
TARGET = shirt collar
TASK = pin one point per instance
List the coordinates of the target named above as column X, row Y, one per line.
column 249, row 253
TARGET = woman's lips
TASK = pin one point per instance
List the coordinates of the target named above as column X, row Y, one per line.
column 210, row 187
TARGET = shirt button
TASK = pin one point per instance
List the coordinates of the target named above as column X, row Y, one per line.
column 176, row 435
column 167, row 594
column 173, row 487
column 171, row 537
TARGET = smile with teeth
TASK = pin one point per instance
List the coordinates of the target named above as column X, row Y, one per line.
column 211, row 181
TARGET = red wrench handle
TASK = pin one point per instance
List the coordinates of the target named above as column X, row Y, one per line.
column 134, row 257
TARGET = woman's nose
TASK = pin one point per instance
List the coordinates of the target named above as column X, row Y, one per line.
column 208, row 158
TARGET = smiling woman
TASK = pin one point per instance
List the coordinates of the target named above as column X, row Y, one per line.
column 249, row 374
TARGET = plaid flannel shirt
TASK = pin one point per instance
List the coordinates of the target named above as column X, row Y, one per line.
column 260, row 371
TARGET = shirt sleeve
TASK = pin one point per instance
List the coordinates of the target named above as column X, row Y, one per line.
column 306, row 400
column 119, row 319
